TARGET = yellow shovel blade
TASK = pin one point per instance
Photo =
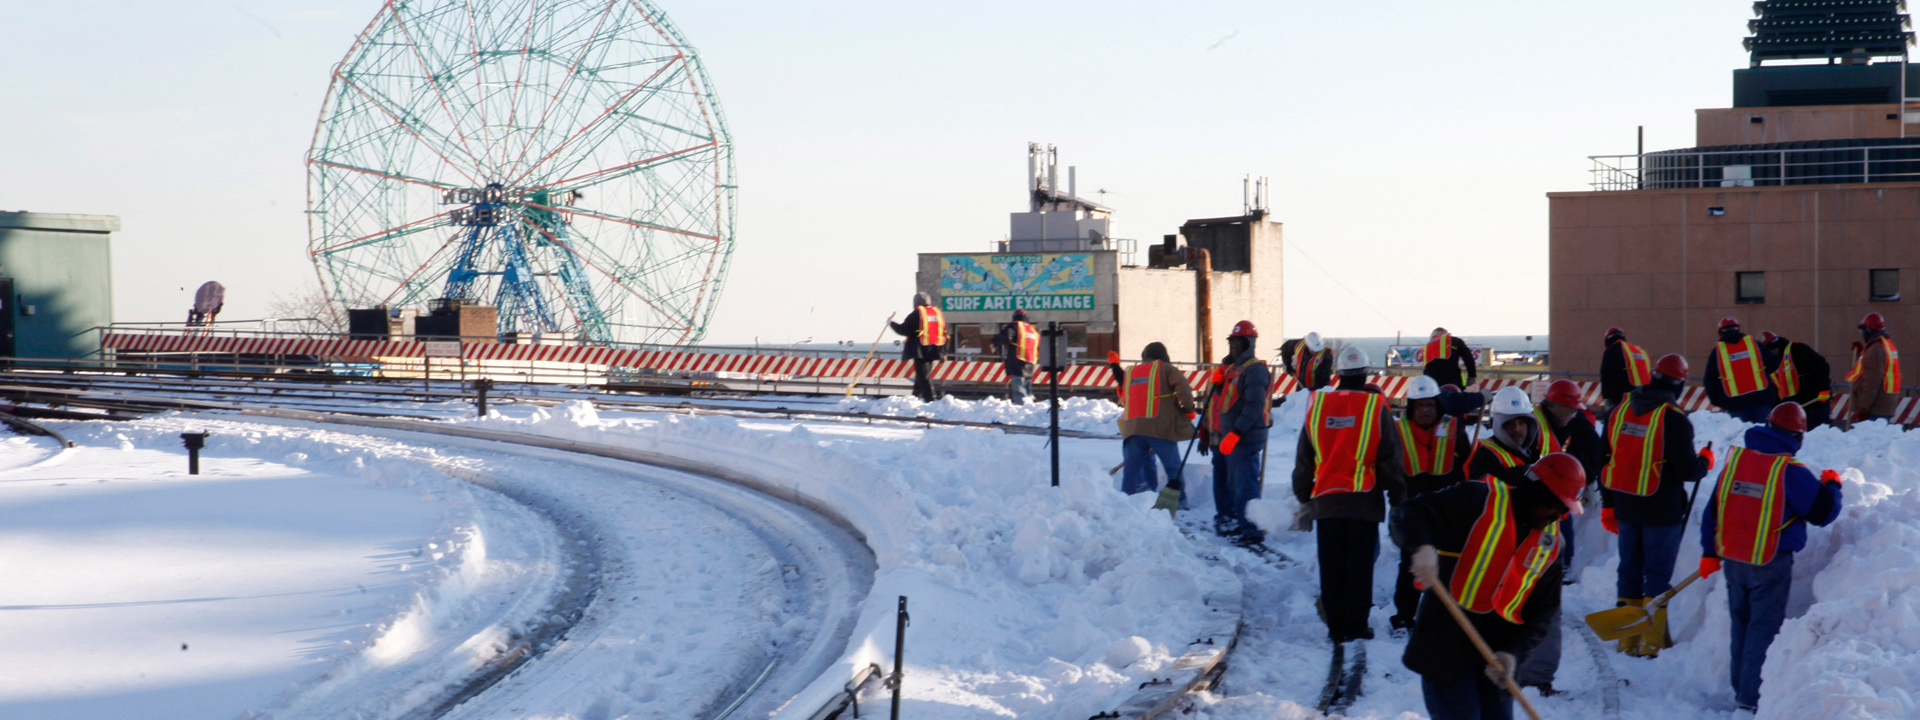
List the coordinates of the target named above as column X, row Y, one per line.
column 1620, row 622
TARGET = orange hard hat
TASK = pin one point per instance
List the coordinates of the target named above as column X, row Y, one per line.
column 1244, row 328
column 1788, row 416
column 1562, row 474
column 1671, row 366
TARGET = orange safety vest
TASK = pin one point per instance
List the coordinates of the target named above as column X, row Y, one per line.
column 1639, row 449
column 1507, row 459
column 1433, row 458
column 1346, row 440
column 1305, row 363
column 1142, row 396
column 1029, row 339
column 1639, row 366
column 1495, row 573
column 1889, row 383
column 1741, row 371
column 1227, row 393
column 1548, row 443
column 933, row 327
column 1787, row 377
column 1438, row 348
column 1751, row 506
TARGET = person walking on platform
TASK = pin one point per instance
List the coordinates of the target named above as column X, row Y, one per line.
column 1737, row 375
column 1448, row 360
column 1019, row 344
column 1756, row 519
column 1346, row 467
column 1239, row 411
column 1642, row 494
column 1308, row 361
column 1623, row 367
column 926, row 332
column 1495, row 546
column 1801, row 375
column 1156, row 416
column 1433, row 455
column 1875, row 377
column 1516, row 442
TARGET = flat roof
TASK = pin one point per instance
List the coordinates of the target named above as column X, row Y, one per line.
column 60, row 222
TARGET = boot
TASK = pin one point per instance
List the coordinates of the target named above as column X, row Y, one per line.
column 1630, row 645
column 1660, row 638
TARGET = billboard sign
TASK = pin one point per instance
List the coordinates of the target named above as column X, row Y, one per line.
column 1033, row 281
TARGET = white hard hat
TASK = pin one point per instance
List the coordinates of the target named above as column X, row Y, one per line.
column 1314, row 342
column 1351, row 358
column 1512, row 401
column 1422, row 387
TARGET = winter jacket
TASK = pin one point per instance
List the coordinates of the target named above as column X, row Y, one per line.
column 1808, row 499
column 1615, row 383
column 1812, row 369
column 1668, row 503
column 911, row 349
column 1461, row 403
column 1322, row 370
column 1388, row 480
column 1483, row 462
column 1765, row 397
column 1579, row 438
column 1176, row 403
column 1438, row 649
column 1245, row 417
column 1868, row 397
column 1008, row 340
column 1428, row 482
column 1458, row 370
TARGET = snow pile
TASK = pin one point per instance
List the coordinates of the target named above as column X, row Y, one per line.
column 1026, row 599
column 1082, row 414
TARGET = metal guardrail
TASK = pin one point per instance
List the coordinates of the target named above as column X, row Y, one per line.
column 1671, row 169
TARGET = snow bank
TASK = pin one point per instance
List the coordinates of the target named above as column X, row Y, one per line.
column 1082, row 414
column 1026, row 599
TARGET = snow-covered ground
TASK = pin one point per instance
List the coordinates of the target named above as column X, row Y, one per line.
column 1027, row 600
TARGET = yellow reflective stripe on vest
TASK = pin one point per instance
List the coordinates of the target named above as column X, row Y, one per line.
column 1538, row 559
column 1507, row 459
column 1787, row 377
column 1548, row 443
column 1440, row 462
column 1639, row 364
column 1651, row 445
column 1499, row 505
column 1751, row 374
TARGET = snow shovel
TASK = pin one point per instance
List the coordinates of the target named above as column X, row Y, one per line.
column 1630, row 621
column 1460, row 616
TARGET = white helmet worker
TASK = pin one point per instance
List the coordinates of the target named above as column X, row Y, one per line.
column 1314, row 343
column 1512, row 401
column 1352, row 359
column 1422, row 387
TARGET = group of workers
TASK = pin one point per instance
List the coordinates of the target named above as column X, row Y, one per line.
column 1487, row 517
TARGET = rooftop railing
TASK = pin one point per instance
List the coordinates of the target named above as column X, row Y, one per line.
column 1772, row 166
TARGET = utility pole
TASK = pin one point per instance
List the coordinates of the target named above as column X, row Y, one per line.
column 1053, row 333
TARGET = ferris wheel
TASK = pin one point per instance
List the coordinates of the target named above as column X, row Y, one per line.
column 563, row 160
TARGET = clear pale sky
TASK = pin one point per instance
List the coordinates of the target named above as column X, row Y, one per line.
column 1410, row 143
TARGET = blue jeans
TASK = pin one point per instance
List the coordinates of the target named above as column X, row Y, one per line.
column 1757, row 600
column 1236, row 479
column 1472, row 697
column 1647, row 553
column 1020, row 389
column 1137, row 452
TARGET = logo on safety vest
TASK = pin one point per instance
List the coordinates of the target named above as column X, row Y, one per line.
column 1748, row 489
column 1342, row 423
column 1742, row 355
column 1627, row 428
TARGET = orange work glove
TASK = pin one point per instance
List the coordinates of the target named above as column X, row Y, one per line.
column 1709, row 566
column 1228, row 443
column 1706, row 454
column 1191, row 416
column 1607, row 521
column 1830, row 475
column 1113, row 357
column 1218, row 376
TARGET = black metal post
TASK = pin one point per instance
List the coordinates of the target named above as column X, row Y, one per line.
column 480, row 388
column 899, row 651
column 1054, row 334
column 193, row 441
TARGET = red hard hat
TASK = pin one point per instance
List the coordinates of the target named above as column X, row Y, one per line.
column 1564, row 393
column 1450, row 386
column 1874, row 322
column 1729, row 321
column 1244, row 328
column 1376, row 389
column 1767, row 336
column 1671, row 366
column 1612, row 331
column 1439, row 331
column 1788, row 416
column 1562, row 474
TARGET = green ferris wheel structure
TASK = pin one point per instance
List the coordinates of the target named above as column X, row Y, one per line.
column 563, row 160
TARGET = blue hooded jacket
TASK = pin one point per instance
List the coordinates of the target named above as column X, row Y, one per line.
column 1808, row 499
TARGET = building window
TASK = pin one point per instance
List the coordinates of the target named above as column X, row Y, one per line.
column 1883, row 285
column 1749, row 287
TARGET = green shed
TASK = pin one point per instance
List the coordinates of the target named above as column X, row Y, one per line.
column 56, row 283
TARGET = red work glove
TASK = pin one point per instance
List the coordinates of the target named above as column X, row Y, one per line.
column 1830, row 475
column 1709, row 566
column 1191, row 416
column 1706, row 454
column 1113, row 357
column 1228, row 443
column 1219, row 374
column 1607, row 521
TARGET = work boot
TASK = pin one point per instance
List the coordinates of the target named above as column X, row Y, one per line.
column 1630, row 645
column 1659, row 639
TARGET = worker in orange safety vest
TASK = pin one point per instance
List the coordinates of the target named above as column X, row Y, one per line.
column 1346, row 469
column 1156, row 415
column 1239, row 411
column 1019, row 343
column 1623, row 367
column 926, row 333
column 1737, row 379
column 1875, row 377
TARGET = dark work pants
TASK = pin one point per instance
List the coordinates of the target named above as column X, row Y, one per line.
column 1541, row 662
column 1236, row 479
column 1757, row 600
column 1472, row 697
column 1819, row 413
column 923, row 380
column 1647, row 554
column 1348, row 548
column 1406, row 600
column 1137, row 453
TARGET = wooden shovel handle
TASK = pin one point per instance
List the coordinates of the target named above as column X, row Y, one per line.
column 1460, row 616
column 1661, row 601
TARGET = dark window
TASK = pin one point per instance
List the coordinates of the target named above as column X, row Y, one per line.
column 1749, row 287
column 1883, row 285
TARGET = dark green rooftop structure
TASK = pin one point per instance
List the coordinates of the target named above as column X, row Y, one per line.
column 1863, row 43
column 56, row 283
